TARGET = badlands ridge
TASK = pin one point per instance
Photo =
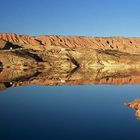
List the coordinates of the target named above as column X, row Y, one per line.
column 68, row 60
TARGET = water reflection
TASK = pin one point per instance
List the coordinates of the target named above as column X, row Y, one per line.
column 60, row 66
column 41, row 75
column 57, row 76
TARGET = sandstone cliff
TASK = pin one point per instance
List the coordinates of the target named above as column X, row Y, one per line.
column 123, row 44
column 59, row 60
column 136, row 106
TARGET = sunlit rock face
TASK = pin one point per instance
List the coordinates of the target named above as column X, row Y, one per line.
column 136, row 106
column 122, row 44
column 58, row 60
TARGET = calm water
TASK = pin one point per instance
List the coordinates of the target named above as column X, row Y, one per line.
column 88, row 112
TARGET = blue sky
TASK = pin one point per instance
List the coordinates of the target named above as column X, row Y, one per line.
column 71, row 17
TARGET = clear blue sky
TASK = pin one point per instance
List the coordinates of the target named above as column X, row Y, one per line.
column 71, row 17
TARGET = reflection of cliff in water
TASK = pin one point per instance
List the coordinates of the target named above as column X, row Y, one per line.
column 57, row 65
column 56, row 76
column 1, row 66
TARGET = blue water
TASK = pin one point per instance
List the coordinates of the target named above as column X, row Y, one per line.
column 89, row 112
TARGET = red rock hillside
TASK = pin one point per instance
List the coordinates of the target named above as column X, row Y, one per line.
column 123, row 44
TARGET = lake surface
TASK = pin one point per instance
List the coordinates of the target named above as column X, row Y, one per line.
column 86, row 112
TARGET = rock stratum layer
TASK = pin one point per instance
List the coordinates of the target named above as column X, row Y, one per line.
column 59, row 60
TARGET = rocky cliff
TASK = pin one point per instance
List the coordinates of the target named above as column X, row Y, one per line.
column 136, row 106
column 123, row 44
column 59, row 60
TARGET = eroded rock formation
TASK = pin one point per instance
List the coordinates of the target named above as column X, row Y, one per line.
column 136, row 106
column 123, row 44
column 59, row 60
